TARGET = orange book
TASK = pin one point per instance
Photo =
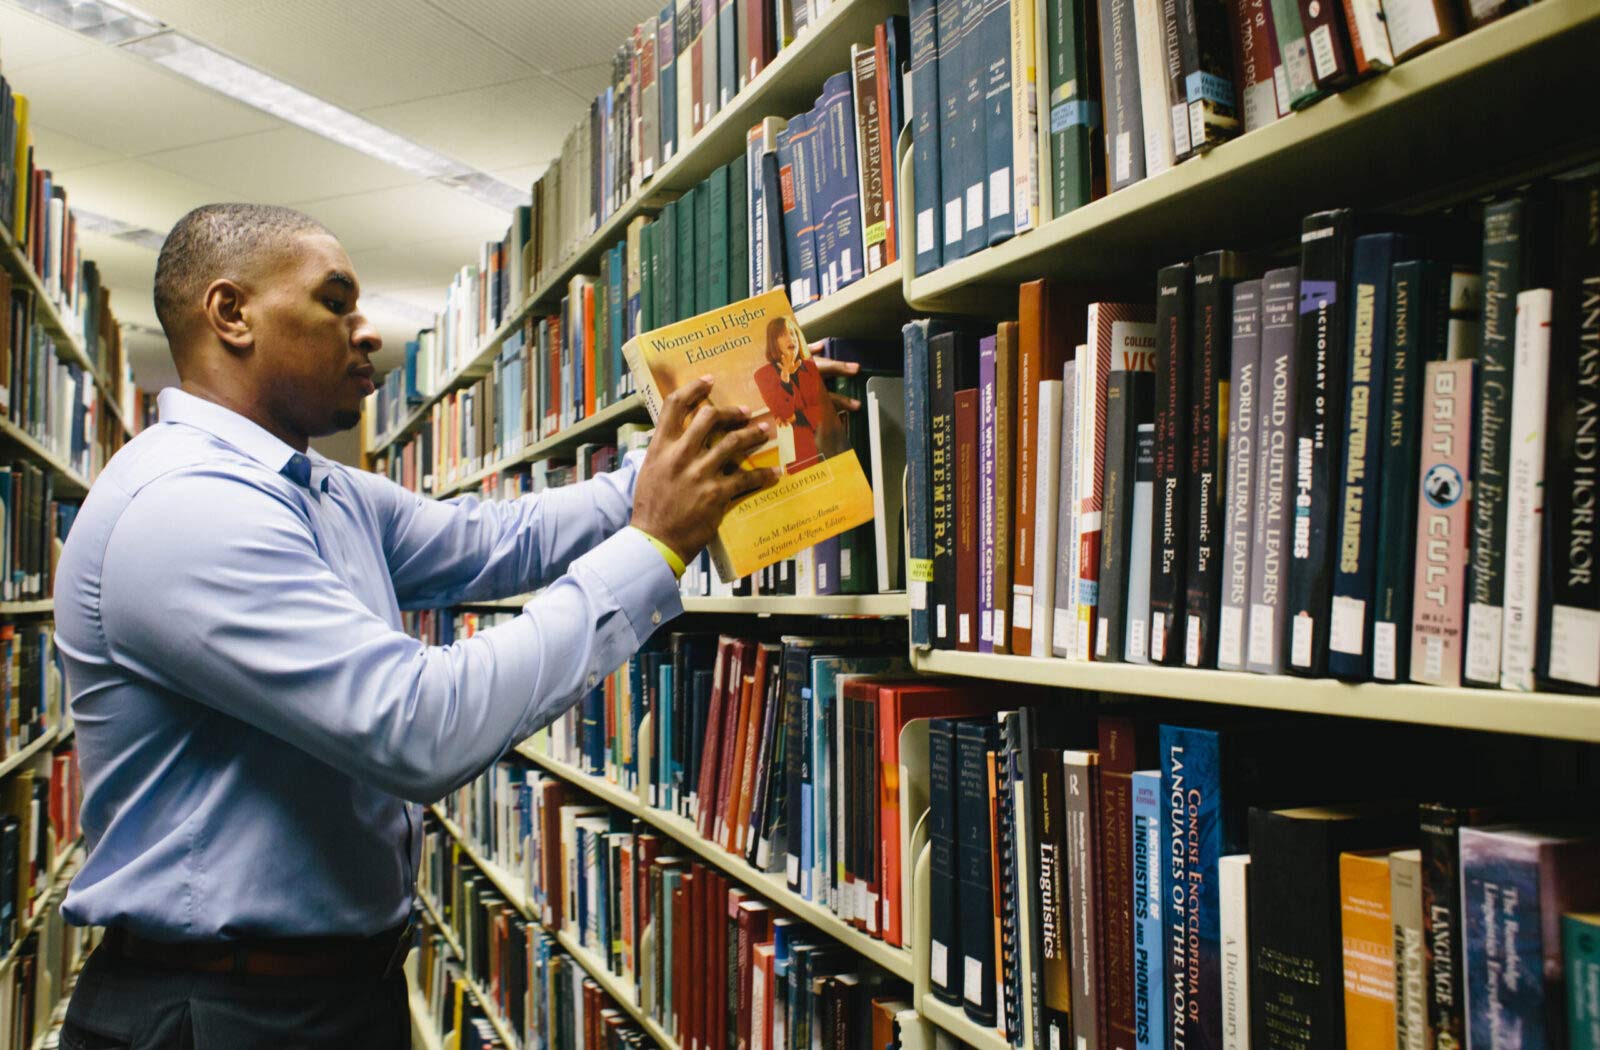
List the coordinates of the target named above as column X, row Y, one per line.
column 769, row 662
column 588, row 350
column 749, row 699
column 734, row 696
column 1367, row 931
column 761, row 991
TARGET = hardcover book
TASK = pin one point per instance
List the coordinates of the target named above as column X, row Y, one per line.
column 1149, row 942
column 1087, row 922
column 1437, row 614
column 1005, row 414
column 1525, row 488
column 1233, row 906
column 1137, row 647
column 759, row 355
column 978, row 964
column 1240, row 472
column 1366, row 926
column 1581, row 948
column 1047, row 492
column 966, row 520
column 1063, row 625
column 1149, row 27
column 1130, row 403
column 1119, row 80
column 1050, row 842
column 1076, row 149
column 1124, row 745
column 1410, row 984
column 944, row 936
column 928, row 202
column 1174, row 290
column 1440, row 826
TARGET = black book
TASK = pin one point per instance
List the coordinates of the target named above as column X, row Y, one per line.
column 704, row 682
column 1296, row 961
column 795, row 755
column 1569, row 586
column 1025, row 778
column 772, row 190
column 952, row 366
column 1419, row 296
column 1011, row 891
column 1174, row 289
column 1322, row 338
column 1513, row 250
column 1130, row 401
column 1440, row 825
column 975, row 893
column 1211, row 341
column 1053, row 1003
column 10, row 852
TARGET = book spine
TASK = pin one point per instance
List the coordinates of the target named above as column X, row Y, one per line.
column 1332, row 66
column 1569, row 590
column 1254, row 46
column 1005, row 411
column 1440, row 828
column 986, row 488
column 1119, row 87
column 1214, row 274
column 1047, row 501
column 1130, row 399
column 919, row 519
column 1191, row 772
column 1118, row 747
column 1437, row 613
column 1082, row 777
column 952, row 43
column 1349, row 632
column 1094, row 372
column 926, row 158
column 1366, row 931
column 869, row 145
column 941, row 460
column 1210, row 104
column 1149, row 31
column 727, row 53
column 1050, row 844
column 1503, row 932
column 1581, row 953
column 944, row 945
column 997, row 76
column 1405, row 903
column 1149, row 952
column 974, row 740
column 974, row 123
column 1295, row 79
column 739, row 287
column 1321, row 334
column 1525, row 488
column 1064, row 619
column 966, row 520
column 1007, row 888
column 1136, row 646
column 1233, row 917
column 1073, row 102
column 1023, row 56
column 1174, row 290
column 1240, row 474
column 1416, row 25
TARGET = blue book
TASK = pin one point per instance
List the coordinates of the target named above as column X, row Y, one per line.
column 997, row 119
column 919, row 476
column 795, row 144
column 661, row 729
column 973, row 125
column 727, row 52
column 952, row 125
column 944, row 933
column 1149, row 954
column 974, row 869
column 1516, row 884
column 897, row 31
column 1355, row 568
column 927, row 200
column 776, row 248
column 618, row 368
column 413, row 348
column 667, row 81
column 841, row 186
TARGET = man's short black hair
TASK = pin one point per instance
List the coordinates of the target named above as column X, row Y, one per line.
column 217, row 240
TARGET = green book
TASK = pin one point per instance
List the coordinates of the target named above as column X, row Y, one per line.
column 1295, row 53
column 666, row 265
column 647, row 277
column 1074, row 103
column 701, row 235
column 686, row 257
column 738, row 232
column 717, row 239
column 1582, row 962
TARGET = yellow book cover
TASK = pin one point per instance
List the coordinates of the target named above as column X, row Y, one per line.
column 19, row 161
column 755, row 351
column 1367, row 931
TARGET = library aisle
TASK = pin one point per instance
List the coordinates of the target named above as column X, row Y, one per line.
column 1171, row 621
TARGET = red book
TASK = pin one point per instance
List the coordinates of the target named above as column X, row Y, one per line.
column 750, row 692
column 648, row 848
column 736, row 688
column 769, row 657
column 552, row 405
column 716, row 941
column 588, row 350
column 755, row 927
column 761, row 992
column 967, row 497
column 627, row 904
column 733, row 961
column 1125, row 745
column 759, row 38
column 886, row 155
column 697, row 79
column 723, row 671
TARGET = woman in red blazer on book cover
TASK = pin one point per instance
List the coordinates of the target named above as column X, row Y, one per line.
column 808, row 428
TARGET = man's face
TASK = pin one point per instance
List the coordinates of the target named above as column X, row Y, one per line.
column 313, row 345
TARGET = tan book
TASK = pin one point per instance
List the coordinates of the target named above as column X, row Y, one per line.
column 758, row 358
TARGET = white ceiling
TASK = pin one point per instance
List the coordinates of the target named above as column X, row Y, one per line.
column 493, row 83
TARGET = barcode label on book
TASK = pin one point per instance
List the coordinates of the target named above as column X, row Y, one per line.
column 924, row 230
column 1347, row 626
column 1432, row 658
column 1081, row 646
column 1124, row 156
column 1191, row 643
column 1061, row 633
column 1300, row 641
column 1180, row 129
column 941, row 627
column 1575, row 645
column 975, row 206
column 1230, row 637
column 1322, row 51
column 938, row 963
column 1197, row 122
column 844, row 564
column 1000, row 192
column 1483, row 642
column 1138, row 636
column 1100, row 643
column 952, row 220
column 972, row 986
column 792, row 869
column 1383, row 650
column 1000, row 626
column 917, row 593
column 1158, row 636
column 963, row 628
column 1022, row 605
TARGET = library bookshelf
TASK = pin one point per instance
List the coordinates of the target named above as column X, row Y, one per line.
column 489, row 1009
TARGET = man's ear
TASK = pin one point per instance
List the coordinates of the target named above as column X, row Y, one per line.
column 224, row 309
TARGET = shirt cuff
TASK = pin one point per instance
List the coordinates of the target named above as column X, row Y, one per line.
column 638, row 577
column 674, row 562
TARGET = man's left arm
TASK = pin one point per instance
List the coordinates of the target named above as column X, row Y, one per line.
column 469, row 549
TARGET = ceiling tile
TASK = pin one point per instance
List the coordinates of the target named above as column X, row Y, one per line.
column 27, row 40
column 520, row 122
column 415, row 265
column 121, row 102
column 426, row 212
column 139, row 193
column 63, row 153
column 180, row 14
column 554, row 35
column 586, row 81
column 358, row 57
column 282, row 166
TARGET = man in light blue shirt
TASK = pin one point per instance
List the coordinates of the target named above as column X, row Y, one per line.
column 254, row 728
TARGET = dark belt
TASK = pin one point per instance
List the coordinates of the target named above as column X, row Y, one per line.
column 377, row 956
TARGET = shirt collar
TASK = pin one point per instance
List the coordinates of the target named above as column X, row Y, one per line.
column 178, row 406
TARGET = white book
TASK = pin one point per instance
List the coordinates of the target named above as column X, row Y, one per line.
column 1159, row 153
column 886, row 432
column 1136, row 648
column 1235, row 608
column 1233, row 917
column 1064, row 636
column 1047, row 491
column 1024, row 118
column 1525, row 488
column 1410, row 986
column 1368, row 17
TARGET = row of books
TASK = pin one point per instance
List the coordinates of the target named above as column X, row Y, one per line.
column 663, row 924
column 671, row 78
column 1028, row 109
column 38, row 826
column 30, row 684
column 35, row 987
column 34, row 209
column 32, row 525
column 1269, row 467
column 1123, row 881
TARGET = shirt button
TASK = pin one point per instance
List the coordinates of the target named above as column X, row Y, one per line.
column 593, row 681
column 655, row 617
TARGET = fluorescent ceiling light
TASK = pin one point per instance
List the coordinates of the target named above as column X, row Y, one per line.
column 117, row 24
column 399, row 309
column 123, row 231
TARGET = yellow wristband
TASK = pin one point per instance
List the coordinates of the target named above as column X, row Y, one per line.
column 674, row 562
